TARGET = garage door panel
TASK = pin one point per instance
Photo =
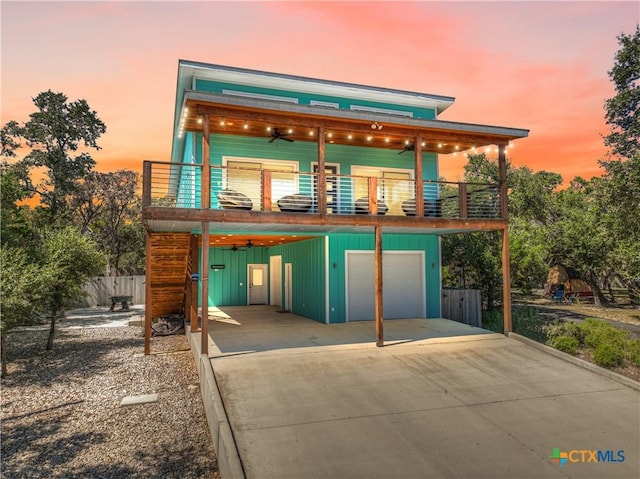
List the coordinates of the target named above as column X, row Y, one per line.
column 403, row 285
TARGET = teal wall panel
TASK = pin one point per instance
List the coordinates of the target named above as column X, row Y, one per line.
column 308, row 269
column 228, row 286
column 305, row 153
column 306, row 98
column 339, row 243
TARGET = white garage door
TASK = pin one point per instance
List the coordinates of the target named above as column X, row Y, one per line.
column 402, row 283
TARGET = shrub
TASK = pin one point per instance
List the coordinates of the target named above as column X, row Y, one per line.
column 570, row 329
column 566, row 344
column 598, row 332
column 608, row 355
column 527, row 322
column 633, row 351
column 492, row 320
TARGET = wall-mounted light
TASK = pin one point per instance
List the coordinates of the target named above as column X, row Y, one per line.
column 376, row 126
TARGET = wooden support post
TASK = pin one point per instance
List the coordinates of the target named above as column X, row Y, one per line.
column 148, row 295
column 146, row 183
column 506, row 266
column 266, row 190
column 193, row 311
column 205, row 288
column 502, row 181
column 506, row 281
column 373, row 196
column 463, row 200
column 322, row 174
column 378, row 286
column 419, row 186
column 188, row 286
column 205, row 184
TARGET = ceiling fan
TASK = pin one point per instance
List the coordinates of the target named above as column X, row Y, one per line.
column 276, row 134
column 407, row 147
column 234, row 248
column 247, row 246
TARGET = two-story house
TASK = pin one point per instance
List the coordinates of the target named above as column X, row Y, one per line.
column 301, row 193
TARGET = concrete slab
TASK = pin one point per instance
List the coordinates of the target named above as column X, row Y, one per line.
column 312, row 400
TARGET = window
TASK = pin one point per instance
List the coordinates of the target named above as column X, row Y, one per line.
column 260, row 96
column 386, row 111
column 395, row 185
column 328, row 104
column 331, row 171
column 245, row 176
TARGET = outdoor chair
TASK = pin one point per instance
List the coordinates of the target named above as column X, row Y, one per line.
column 430, row 207
column 297, row 203
column 230, row 199
column 362, row 207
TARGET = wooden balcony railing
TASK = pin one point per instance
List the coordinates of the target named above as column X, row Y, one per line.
column 179, row 185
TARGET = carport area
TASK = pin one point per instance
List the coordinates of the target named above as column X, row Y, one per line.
column 302, row 399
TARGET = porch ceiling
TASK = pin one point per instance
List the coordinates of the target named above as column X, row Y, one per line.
column 241, row 240
column 257, row 118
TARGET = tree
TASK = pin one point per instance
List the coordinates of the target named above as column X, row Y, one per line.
column 54, row 133
column 578, row 237
column 15, row 220
column 21, row 291
column 529, row 254
column 69, row 259
column 618, row 192
column 107, row 205
column 622, row 109
column 474, row 260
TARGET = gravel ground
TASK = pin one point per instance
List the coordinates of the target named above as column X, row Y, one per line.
column 61, row 414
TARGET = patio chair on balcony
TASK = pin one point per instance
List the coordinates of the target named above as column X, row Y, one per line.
column 297, row 203
column 362, row 207
column 430, row 207
column 231, row 199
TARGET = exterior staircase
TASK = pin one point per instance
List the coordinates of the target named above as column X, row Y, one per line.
column 171, row 262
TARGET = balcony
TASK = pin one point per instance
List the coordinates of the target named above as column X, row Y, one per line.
column 264, row 195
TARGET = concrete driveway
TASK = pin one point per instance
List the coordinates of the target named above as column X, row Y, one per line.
column 442, row 400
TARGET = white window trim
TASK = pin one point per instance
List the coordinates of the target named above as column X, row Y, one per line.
column 260, row 96
column 337, row 165
column 363, row 170
column 387, row 111
column 329, row 104
column 262, row 161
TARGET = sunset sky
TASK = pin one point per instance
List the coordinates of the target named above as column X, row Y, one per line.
column 535, row 65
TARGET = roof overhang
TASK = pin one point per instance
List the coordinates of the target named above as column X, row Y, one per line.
column 236, row 115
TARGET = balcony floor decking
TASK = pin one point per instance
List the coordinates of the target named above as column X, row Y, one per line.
column 164, row 219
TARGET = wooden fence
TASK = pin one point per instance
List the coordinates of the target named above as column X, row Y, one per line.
column 463, row 306
column 98, row 291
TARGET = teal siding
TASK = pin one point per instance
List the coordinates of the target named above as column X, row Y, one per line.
column 188, row 191
column 339, row 243
column 308, row 282
column 305, row 98
column 306, row 153
column 228, row 286
column 308, row 266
